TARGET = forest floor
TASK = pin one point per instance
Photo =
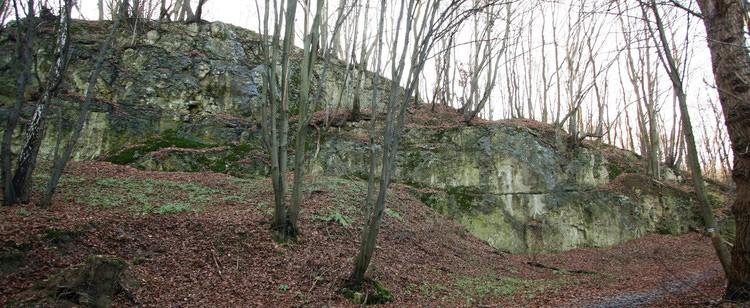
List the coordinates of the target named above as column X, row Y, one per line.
column 202, row 239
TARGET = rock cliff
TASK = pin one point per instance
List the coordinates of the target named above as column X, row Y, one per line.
column 178, row 97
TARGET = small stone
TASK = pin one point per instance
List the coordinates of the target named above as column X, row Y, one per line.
column 192, row 29
column 152, row 36
column 202, row 69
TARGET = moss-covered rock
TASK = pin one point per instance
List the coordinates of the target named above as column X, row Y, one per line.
column 371, row 292
column 92, row 283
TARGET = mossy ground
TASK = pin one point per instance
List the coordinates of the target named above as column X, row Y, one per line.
column 142, row 196
column 169, row 138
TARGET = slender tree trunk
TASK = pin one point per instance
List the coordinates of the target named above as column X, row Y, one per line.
column 24, row 53
column 35, row 129
column 373, row 112
column 100, row 6
column 724, row 21
column 306, row 74
column 370, row 232
column 280, row 129
column 693, row 164
column 60, row 163
column 363, row 57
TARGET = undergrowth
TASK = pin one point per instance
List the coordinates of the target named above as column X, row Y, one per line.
column 142, row 196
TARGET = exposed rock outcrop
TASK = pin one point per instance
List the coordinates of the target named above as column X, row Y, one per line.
column 184, row 98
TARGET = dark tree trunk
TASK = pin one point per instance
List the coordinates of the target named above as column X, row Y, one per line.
column 198, row 12
column 88, row 97
column 25, row 40
column 724, row 23
column 35, row 128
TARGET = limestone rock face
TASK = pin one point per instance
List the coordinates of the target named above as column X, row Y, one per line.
column 170, row 76
column 179, row 97
column 521, row 191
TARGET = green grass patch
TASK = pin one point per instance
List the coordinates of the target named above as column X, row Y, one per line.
column 347, row 199
column 172, row 208
column 428, row 289
column 23, row 212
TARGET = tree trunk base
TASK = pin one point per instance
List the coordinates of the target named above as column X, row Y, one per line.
column 285, row 232
column 366, row 292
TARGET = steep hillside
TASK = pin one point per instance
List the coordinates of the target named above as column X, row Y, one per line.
column 202, row 239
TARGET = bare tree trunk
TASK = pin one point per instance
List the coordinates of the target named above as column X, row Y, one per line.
column 363, row 57
column 163, row 11
column 430, row 30
column 185, row 13
column 373, row 112
column 60, row 162
column 270, row 110
column 545, row 85
column 693, row 164
column 35, row 129
column 478, row 98
column 306, row 74
column 198, row 12
column 25, row 41
column 724, row 21
column 100, row 6
column 370, row 232
column 280, row 220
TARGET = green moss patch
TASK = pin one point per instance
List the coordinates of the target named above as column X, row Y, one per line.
column 61, row 236
column 474, row 290
column 371, row 293
column 167, row 139
column 464, row 196
column 142, row 196
column 230, row 157
column 93, row 283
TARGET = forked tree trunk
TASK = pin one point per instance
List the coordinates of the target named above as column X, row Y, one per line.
column 24, row 53
column 375, row 213
column 724, row 21
column 83, row 115
column 35, row 129
column 306, row 74
column 198, row 12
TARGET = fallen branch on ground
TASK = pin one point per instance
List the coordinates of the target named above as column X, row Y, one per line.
column 540, row 265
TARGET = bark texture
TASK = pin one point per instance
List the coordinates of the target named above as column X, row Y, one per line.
column 24, row 55
column 724, row 23
column 60, row 162
column 35, row 128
